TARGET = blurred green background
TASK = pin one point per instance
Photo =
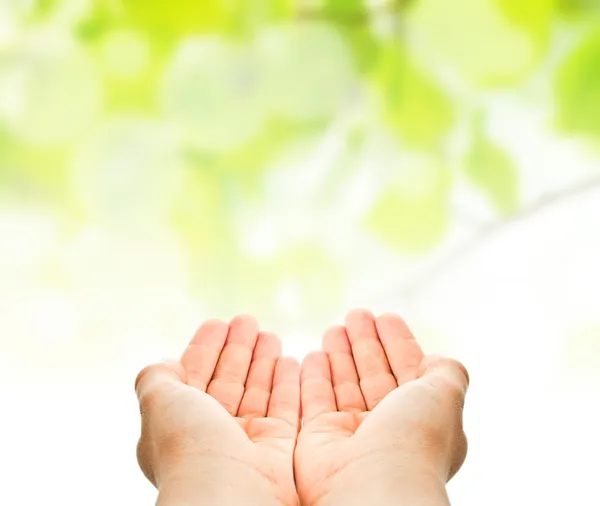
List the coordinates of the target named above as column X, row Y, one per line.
column 236, row 129
column 166, row 161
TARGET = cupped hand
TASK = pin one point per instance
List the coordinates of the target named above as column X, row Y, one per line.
column 228, row 411
column 377, row 415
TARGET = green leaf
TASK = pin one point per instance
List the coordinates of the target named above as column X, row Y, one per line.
column 578, row 88
column 479, row 41
column 274, row 10
column 43, row 8
column 412, row 103
column 363, row 44
column 342, row 10
column 578, row 7
column 169, row 23
column 491, row 169
column 409, row 221
column 98, row 22
column 248, row 17
column 533, row 16
column 130, row 79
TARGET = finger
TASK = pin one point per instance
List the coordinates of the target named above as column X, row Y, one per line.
column 228, row 381
column 402, row 350
column 155, row 378
column 374, row 372
column 202, row 354
column 316, row 388
column 260, row 378
column 348, row 394
column 284, row 403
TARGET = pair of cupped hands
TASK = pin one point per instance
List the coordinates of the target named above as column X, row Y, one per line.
column 369, row 419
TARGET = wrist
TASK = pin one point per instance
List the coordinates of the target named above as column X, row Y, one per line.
column 218, row 483
column 387, row 484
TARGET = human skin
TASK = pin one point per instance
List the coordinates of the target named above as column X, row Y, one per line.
column 382, row 423
column 220, row 425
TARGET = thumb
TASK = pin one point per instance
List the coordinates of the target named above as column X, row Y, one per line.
column 151, row 384
column 451, row 380
column 153, row 378
column 445, row 373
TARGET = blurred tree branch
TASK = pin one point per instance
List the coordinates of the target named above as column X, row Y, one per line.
column 490, row 229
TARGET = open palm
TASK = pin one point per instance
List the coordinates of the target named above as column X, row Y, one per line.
column 237, row 401
column 362, row 397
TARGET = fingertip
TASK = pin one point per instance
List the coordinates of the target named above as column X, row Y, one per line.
column 212, row 330
column 334, row 330
column 389, row 315
column 313, row 355
column 315, row 364
column 359, row 315
column 335, row 339
column 245, row 320
column 393, row 321
column 289, row 364
column 268, row 344
column 213, row 322
column 152, row 375
column 291, row 360
column 453, row 371
column 211, row 325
